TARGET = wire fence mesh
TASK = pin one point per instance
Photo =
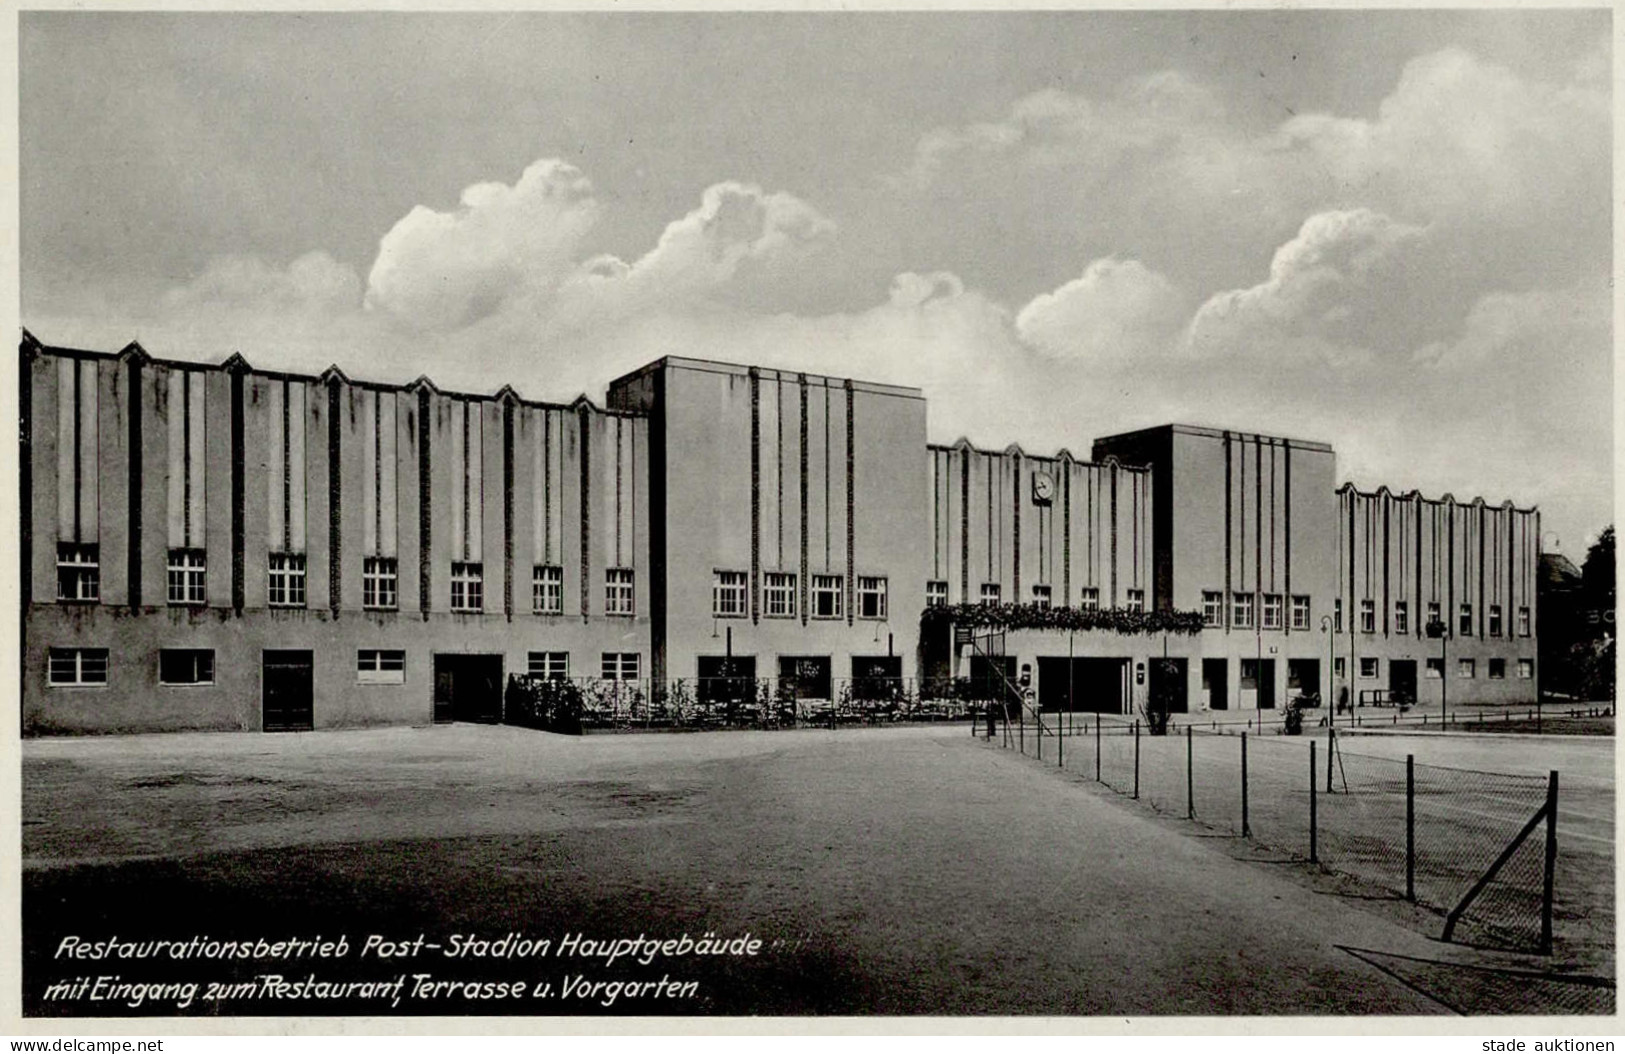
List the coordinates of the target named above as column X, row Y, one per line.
column 1428, row 833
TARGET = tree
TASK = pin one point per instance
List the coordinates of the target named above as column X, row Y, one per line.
column 1593, row 657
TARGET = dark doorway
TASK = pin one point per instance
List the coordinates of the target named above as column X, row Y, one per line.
column 1402, row 681
column 726, row 679
column 1215, row 686
column 1090, row 685
column 994, row 677
column 1258, row 677
column 936, row 659
column 1303, row 679
column 468, row 688
column 288, row 693
column 1170, row 680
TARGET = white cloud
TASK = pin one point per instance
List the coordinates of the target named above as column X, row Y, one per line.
column 440, row 270
column 1118, row 309
column 736, row 226
column 1519, row 329
column 1317, row 282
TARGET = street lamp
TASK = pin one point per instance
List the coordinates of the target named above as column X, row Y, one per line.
column 1437, row 628
column 1331, row 664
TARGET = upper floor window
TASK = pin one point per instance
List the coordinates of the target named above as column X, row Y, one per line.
column 1300, row 612
column 728, row 591
column 1089, row 598
column 549, row 665
column 871, row 597
column 991, row 593
column 186, row 666
column 1041, row 596
column 1434, row 614
column 1136, row 600
column 779, row 589
column 78, row 572
column 618, row 595
column 1242, row 615
column 826, row 596
column 1523, row 622
column 1272, row 611
column 467, row 586
column 547, row 589
column 1212, row 607
column 936, row 593
column 1368, row 616
column 379, row 575
column 1466, row 620
column 70, row 666
column 187, row 577
column 1495, row 620
column 380, row 666
column 287, row 580
column 1337, row 615
column 1402, row 617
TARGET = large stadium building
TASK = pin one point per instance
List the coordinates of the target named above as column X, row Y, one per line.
column 225, row 547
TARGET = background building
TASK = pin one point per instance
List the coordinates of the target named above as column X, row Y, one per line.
column 221, row 547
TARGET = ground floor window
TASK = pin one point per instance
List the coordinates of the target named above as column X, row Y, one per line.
column 1526, row 669
column 1497, row 670
column 549, row 665
column 380, row 666
column 1368, row 667
column 1467, row 669
column 876, row 676
column 1435, row 670
column 619, row 666
column 69, row 666
column 186, row 666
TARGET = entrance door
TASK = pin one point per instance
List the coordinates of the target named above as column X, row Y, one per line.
column 288, row 691
column 1402, row 681
column 1215, row 686
column 468, row 688
column 1266, row 684
column 1303, row 679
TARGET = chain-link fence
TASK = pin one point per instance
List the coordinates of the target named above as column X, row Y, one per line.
column 1477, row 847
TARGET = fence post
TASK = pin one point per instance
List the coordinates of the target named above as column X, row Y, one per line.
column 1136, row 760
column 1314, row 782
column 1246, row 828
column 1097, row 748
column 1410, row 828
column 1060, row 741
column 1190, row 779
column 1551, row 864
column 1021, row 731
column 1331, row 748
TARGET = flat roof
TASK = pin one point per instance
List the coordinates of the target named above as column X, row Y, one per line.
column 1218, row 433
column 734, row 369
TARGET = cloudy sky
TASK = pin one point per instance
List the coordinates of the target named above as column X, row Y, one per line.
column 1387, row 230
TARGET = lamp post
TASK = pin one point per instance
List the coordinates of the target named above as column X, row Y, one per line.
column 1437, row 628
column 1331, row 664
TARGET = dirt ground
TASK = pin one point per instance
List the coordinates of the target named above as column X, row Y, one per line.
column 887, row 871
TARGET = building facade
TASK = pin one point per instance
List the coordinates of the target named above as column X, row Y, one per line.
column 225, row 547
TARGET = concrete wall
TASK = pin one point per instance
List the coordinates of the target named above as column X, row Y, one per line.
column 768, row 471
column 1416, row 551
column 544, row 443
